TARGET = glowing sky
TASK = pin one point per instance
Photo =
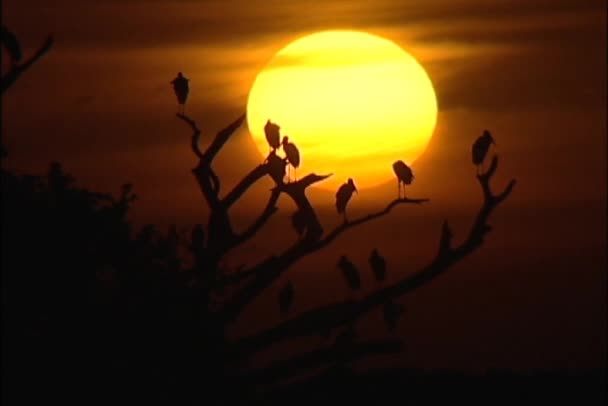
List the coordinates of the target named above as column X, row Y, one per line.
column 532, row 71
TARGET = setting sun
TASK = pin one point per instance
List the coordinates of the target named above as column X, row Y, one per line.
column 352, row 103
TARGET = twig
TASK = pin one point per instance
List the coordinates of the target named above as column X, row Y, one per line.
column 16, row 71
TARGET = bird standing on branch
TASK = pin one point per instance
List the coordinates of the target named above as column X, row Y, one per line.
column 273, row 137
column 276, row 167
column 378, row 264
column 404, row 175
column 350, row 272
column 181, row 89
column 480, row 149
column 343, row 195
column 293, row 156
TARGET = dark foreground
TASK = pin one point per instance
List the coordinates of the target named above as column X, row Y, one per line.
column 380, row 387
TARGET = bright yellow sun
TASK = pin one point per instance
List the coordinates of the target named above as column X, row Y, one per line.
column 353, row 103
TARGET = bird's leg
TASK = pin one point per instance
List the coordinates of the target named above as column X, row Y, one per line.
column 295, row 174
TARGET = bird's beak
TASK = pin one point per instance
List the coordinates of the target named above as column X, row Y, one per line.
column 355, row 188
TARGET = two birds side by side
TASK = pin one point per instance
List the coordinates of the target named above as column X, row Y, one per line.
column 391, row 310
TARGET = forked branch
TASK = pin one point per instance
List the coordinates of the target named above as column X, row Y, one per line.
column 267, row 272
column 320, row 357
column 334, row 315
column 17, row 70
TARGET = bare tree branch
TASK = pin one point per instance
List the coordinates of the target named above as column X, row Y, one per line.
column 221, row 137
column 259, row 223
column 350, row 224
column 249, row 180
column 318, row 358
column 271, row 269
column 196, row 134
column 203, row 172
column 336, row 314
column 16, row 71
column 220, row 229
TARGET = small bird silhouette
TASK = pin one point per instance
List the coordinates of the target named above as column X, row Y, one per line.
column 286, row 298
column 480, row 149
column 273, row 136
column 11, row 44
column 181, row 89
column 343, row 195
column 404, row 175
column 293, row 155
column 392, row 312
column 378, row 264
column 298, row 221
column 350, row 272
column 276, row 167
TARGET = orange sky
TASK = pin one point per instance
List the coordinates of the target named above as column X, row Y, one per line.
column 533, row 72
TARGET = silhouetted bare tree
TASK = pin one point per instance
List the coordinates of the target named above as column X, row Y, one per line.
column 83, row 290
column 250, row 283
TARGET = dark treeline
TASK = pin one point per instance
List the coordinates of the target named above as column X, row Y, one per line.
column 97, row 312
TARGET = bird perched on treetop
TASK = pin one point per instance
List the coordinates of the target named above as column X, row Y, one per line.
column 378, row 264
column 480, row 148
column 343, row 195
column 404, row 175
column 181, row 88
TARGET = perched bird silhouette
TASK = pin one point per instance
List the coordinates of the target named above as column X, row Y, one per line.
column 286, row 298
column 298, row 222
column 276, row 167
column 293, row 155
column 350, row 272
column 404, row 175
column 11, row 44
column 273, row 136
column 343, row 195
column 378, row 264
column 480, row 148
column 392, row 312
column 181, row 89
